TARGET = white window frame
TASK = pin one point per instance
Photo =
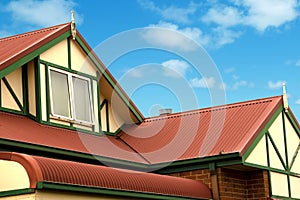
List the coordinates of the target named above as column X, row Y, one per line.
column 71, row 119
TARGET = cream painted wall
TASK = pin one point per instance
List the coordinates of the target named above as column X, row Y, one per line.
column 21, row 197
column 13, row 176
column 31, row 88
column 80, row 61
column 276, row 131
column 295, row 184
column 292, row 140
column 113, row 125
column 57, row 54
column 15, row 81
column 7, row 99
column 259, row 154
column 279, row 184
column 274, row 159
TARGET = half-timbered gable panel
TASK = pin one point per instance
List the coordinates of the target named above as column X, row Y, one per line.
column 278, row 151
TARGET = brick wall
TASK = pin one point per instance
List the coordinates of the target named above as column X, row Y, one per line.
column 234, row 184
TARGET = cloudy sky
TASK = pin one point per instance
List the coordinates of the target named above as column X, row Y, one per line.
column 248, row 47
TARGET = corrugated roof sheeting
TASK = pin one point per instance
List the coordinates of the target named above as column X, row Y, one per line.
column 81, row 174
column 201, row 133
column 32, row 132
column 15, row 47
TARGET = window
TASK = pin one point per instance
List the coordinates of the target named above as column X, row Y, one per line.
column 70, row 96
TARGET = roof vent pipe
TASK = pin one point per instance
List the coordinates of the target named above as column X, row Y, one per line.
column 165, row 111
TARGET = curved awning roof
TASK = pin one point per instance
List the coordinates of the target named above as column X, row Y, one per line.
column 43, row 171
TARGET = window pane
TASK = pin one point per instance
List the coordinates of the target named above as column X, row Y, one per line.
column 60, row 94
column 82, row 103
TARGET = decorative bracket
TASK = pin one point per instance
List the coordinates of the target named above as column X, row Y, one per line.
column 73, row 26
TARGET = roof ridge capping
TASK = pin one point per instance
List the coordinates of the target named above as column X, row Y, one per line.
column 213, row 108
column 33, row 32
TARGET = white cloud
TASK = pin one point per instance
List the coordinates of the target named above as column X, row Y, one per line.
column 42, row 13
column 225, row 22
column 171, row 36
column 298, row 101
column 298, row 63
column 270, row 13
column 275, row 85
column 229, row 70
column 259, row 14
column 172, row 13
column 255, row 13
column 223, row 16
column 242, row 83
column 136, row 72
column 205, row 82
column 223, row 36
column 175, row 68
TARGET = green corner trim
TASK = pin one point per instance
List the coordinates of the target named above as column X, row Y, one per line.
column 106, row 191
column 16, row 192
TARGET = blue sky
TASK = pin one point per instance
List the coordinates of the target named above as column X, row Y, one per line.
column 254, row 46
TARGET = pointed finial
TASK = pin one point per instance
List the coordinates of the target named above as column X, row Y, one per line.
column 285, row 98
column 73, row 26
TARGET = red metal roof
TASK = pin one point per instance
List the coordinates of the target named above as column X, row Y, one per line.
column 15, row 47
column 201, row 133
column 39, row 134
column 41, row 169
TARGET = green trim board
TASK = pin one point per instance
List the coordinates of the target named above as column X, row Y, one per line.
column 285, row 141
column 106, row 191
column 38, row 100
column 25, row 89
column 48, row 104
column 69, row 53
column 198, row 163
column 98, row 102
column 16, row 192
